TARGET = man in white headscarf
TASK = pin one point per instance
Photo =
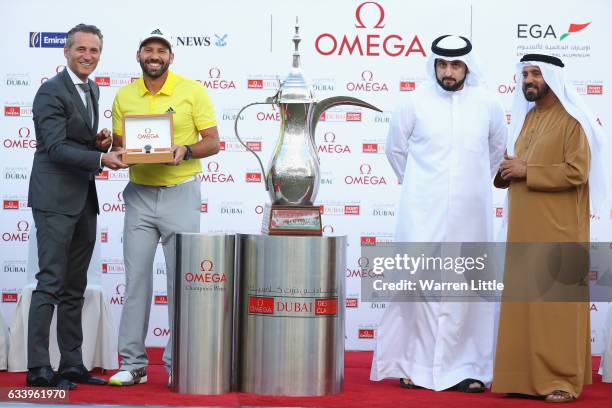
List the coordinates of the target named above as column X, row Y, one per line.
column 553, row 171
column 445, row 143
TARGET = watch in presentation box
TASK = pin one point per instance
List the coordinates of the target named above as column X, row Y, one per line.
column 148, row 139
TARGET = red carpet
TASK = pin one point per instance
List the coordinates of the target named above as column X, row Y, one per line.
column 359, row 392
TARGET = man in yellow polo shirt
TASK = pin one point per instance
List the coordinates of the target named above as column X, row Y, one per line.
column 160, row 199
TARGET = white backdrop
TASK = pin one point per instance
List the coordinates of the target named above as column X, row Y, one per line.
column 239, row 50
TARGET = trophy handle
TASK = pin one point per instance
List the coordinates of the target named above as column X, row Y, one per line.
column 263, row 171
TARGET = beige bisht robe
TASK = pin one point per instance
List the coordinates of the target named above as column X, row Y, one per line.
column 545, row 346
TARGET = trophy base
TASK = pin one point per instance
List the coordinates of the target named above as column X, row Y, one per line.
column 292, row 220
column 154, row 157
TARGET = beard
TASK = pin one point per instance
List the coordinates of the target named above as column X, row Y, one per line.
column 157, row 72
column 455, row 86
column 536, row 92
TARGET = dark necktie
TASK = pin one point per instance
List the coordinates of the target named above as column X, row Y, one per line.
column 89, row 104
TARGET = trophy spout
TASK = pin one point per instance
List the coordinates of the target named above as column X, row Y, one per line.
column 325, row 104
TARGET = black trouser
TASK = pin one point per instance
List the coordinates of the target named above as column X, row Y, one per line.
column 65, row 246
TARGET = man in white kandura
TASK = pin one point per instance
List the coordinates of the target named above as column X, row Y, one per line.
column 445, row 143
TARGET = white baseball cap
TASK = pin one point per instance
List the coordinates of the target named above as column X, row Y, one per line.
column 156, row 34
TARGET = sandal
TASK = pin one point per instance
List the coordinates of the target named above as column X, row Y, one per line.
column 559, row 396
column 464, row 386
column 407, row 383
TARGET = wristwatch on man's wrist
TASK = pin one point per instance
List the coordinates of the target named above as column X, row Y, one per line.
column 188, row 153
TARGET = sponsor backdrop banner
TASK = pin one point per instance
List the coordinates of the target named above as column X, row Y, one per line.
column 374, row 50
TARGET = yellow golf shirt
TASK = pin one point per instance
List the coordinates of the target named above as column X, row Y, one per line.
column 192, row 111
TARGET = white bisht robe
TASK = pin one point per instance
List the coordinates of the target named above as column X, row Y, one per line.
column 446, row 146
column 605, row 368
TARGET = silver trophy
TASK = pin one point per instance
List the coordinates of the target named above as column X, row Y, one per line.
column 292, row 179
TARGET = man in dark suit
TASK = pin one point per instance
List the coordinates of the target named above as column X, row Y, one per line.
column 64, row 203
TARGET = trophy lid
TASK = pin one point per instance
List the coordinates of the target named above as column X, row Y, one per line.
column 295, row 88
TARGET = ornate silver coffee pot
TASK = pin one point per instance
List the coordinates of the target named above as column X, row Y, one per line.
column 293, row 174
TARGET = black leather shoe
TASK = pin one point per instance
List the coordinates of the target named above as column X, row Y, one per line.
column 45, row 377
column 79, row 374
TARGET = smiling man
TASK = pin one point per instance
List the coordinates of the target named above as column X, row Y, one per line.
column 69, row 153
column 160, row 199
column 553, row 172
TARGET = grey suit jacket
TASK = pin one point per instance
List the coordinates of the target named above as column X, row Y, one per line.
column 66, row 159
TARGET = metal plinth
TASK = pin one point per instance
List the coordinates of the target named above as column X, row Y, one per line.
column 290, row 339
column 202, row 332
